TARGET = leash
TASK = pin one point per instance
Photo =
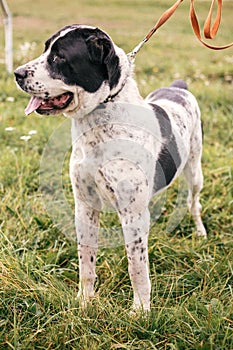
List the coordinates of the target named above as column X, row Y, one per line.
column 209, row 32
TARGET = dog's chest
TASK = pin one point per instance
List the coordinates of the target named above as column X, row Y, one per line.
column 111, row 149
column 111, row 142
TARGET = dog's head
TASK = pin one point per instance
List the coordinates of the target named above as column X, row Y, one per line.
column 79, row 68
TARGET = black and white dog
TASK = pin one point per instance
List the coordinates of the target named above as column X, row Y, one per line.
column 125, row 148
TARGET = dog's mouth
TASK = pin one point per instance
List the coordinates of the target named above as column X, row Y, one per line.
column 53, row 105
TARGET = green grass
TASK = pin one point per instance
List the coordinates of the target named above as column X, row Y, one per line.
column 192, row 280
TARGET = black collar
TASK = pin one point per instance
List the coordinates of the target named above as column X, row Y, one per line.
column 111, row 97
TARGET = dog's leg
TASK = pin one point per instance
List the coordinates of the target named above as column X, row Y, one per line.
column 194, row 178
column 193, row 202
column 126, row 187
column 137, row 253
column 87, row 225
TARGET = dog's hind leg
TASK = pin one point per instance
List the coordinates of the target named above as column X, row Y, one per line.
column 194, row 178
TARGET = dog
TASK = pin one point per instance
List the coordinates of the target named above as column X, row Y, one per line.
column 125, row 150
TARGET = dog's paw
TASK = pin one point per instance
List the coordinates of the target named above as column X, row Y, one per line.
column 201, row 231
column 85, row 300
column 139, row 312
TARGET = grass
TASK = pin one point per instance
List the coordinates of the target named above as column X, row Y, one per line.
column 192, row 280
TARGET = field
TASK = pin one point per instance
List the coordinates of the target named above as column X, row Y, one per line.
column 192, row 279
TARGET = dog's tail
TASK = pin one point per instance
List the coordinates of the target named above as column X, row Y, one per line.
column 181, row 84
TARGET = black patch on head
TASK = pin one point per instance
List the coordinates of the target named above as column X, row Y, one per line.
column 57, row 34
column 169, row 158
column 83, row 57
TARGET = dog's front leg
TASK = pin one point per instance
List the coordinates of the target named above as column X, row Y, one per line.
column 136, row 241
column 87, row 225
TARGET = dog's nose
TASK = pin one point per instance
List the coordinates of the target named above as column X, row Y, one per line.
column 20, row 74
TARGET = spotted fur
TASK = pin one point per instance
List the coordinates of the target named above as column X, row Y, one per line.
column 125, row 149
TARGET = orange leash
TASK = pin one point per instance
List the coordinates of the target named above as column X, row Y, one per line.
column 165, row 16
column 209, row 32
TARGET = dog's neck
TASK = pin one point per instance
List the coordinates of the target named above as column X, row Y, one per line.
column 126, row 90
column 107, row 112
column 88, row 102
column 129, row 92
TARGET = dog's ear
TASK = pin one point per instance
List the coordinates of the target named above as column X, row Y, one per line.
column 101, row 51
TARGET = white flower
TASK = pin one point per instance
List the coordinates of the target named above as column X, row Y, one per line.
column 32, row 132
column 10, row 99
column 25, row 138
column 10, row 128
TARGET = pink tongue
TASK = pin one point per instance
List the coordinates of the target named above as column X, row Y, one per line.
column 33, row 104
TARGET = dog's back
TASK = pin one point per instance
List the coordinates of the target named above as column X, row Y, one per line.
column 178, row 114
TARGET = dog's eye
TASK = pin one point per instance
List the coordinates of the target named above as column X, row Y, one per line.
column 58, row 59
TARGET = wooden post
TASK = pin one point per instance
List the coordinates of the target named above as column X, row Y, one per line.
column 7, row 20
